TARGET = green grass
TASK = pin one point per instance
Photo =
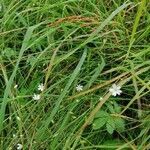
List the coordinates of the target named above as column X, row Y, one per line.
column 62, row 44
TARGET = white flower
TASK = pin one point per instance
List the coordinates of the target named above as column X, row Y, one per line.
column 18, row 118
column 79, row 88
column 1, row 7
column 15, row 86
column 14, row 135
column 19, row 146
column 21, row 135
column 41, row 87
column 36, row 96
column 101, row 98
column 77, row 100
column 115, row 90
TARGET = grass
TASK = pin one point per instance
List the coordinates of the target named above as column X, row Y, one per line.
column 67, row 43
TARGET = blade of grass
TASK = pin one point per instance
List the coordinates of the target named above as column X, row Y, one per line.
column 137, row 96
column 97, row 72
column 136, row 23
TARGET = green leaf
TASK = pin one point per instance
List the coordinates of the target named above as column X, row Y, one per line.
column 119, row 124
column 98, row 123
column 117, row 108
column 110, row 107
column 102, row 114
column 8, row 52
column 110, row 126
column 97, row 72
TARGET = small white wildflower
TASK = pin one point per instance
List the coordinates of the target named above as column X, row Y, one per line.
column 18, row 118
column 101, row 98
column 15, row 86
column 1, row 7
column 41, row 87
column 77, row 100
column 19, row 146
column 36, row 96
column 21, row 135
column 14, row 135
column 79, row 88
column 115, row 90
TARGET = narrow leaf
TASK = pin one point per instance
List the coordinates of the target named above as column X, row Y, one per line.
column 97, row 72
column 119, row 124
column 101, row 114
column 110, row 126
